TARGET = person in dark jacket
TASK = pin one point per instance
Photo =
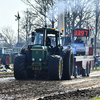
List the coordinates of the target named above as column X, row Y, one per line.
column 78, row 40
column 68, row 40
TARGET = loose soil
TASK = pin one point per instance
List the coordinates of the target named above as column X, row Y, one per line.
column 75, row 89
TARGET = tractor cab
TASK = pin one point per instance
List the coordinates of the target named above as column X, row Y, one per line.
column 47, row 38
column 50, row 39
column 45, row 35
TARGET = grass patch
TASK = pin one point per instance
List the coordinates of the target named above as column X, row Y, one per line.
column 95, row 98
column 7, row 72
column 98, row 68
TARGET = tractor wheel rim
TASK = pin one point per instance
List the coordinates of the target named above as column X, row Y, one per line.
column 60, row 63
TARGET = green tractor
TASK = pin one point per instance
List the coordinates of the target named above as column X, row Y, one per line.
column 44, row 57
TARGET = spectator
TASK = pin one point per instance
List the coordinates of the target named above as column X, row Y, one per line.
column 78, row 40
column 68, row 39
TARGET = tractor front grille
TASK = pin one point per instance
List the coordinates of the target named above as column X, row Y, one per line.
column 36, row 66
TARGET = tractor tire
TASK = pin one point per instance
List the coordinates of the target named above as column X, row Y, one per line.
column 63, row 54
column 72, row 63
column 23, row 51
column 30, row 72
column 29, row 57
column 19, row 67
column 67, row 65
column 55, row 67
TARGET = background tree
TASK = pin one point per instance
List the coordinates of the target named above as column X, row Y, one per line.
column 42, row 7
column 27, row 24
column 39, row 13
column 8, row 38
column 78, row 14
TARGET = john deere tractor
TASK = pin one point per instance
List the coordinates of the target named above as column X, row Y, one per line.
column 45, row 57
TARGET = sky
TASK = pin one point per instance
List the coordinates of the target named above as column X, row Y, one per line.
column 8, row 10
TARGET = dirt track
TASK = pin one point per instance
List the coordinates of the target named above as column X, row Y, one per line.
column 6, row 75
column 83, row 88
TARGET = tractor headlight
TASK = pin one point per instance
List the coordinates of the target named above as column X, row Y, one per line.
column 40, row 59
column 33, row 59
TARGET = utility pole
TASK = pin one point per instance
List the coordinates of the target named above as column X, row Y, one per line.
column 27, row 21
column 52, row 14
column 18, row 17
column 44, row 2
column 96, row 23
column 96, row 28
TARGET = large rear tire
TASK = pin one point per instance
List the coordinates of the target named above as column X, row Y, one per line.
column 30, row 72
column 19, row 67
column 29, row 57
column 55, row 67
column 23, row 50
column 67, row 65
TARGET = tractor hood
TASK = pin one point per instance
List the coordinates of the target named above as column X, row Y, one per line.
column 39, row 53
